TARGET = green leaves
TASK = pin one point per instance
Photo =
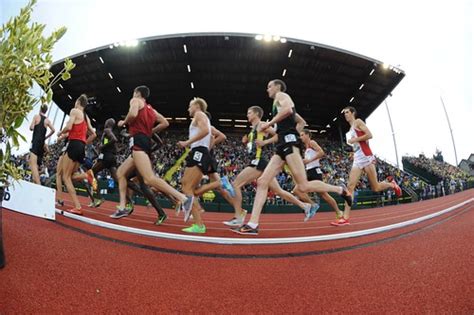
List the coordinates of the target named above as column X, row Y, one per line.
column 25, row 58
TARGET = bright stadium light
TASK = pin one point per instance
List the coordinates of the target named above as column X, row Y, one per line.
column 276, row 38
column 118, row 89
column 189, row 68
column 284, row 73
column 70, row 97
column 267, row 38
column 351, row 99
column 111, row 77
column 240, row 126
column 335, row 118
column 116, row 44
column 283, row 40
column 225, row 120
column 181, row 118
column 289, row 54
column 385, row 66
column 361, row 86
column 111, row 46
column 259, row 37
column 185, row 49
column 241, row 120
column 131, row 43
column 372, row 72
column 60, row 85
column 328, row 126
column 192, row 85
column 101, row 60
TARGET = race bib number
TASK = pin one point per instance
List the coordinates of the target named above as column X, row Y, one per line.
column 318, row 170
column 255, row 162
column 101, row 156
column 290, row 138
column 130, row 143
column 197, row 156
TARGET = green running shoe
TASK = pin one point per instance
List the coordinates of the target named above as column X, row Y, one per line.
column 129, row 208
column 195, row 229
column 161, row 219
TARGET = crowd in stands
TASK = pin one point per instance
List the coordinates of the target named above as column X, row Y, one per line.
column 232, row 159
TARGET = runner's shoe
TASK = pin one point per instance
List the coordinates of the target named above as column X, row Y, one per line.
column 340, row 222
column 245, row 230
column 195, row 229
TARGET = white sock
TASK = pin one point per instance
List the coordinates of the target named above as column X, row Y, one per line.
column 252, row 225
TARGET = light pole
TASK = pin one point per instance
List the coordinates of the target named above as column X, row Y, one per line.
column 450, row 130
column 393, row 132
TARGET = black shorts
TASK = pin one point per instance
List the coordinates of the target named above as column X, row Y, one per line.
column 259, row 164
column 76, row 150
column 213, row 166
column 108, row 160
column 285, row 144
column 38, row 150
column 201, row 158
column 141, row 142
column 314, row 174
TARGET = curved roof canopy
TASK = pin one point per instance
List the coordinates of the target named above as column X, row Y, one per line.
column 230, row 71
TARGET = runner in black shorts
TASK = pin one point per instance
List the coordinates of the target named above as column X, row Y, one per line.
column 254, row 142
column 39, row 126
column 312, row 154
column 288, row 123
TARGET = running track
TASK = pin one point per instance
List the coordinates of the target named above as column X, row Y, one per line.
column 70, row 266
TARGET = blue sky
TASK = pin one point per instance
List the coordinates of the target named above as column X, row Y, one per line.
column 432, row 41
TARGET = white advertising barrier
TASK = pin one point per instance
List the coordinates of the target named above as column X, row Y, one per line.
column 31, row 199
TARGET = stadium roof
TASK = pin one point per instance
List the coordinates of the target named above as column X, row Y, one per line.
column 231, row 72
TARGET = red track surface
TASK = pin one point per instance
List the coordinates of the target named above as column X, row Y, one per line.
column 71, row 266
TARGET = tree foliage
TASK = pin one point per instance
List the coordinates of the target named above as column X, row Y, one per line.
column 25, row 58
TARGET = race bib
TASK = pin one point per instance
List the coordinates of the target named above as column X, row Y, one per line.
column 130, row 142
column 197, row 156
column 101, row 156
column 255, row 162
column 290, row 138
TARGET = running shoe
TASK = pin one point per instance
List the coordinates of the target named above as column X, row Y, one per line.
column 195, row 229
column 119, row 213
column 129, row 207
column 187, row 206
column 346, row 195
column 236, row 221
column 75, row 211
column 340, row 222
column 227, row 186
column 312, row 211
column 98, row 202
column 396, row 188
column 161, row 219
column 245, row 230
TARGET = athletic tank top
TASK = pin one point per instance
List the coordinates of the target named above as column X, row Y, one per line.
column 253, row 151
column 287, row 125
column 308, row 155
column 39, row 131
column 361, row 147
column 144, row 122
column 204, row 142
column 106, row 146
column 79, row 131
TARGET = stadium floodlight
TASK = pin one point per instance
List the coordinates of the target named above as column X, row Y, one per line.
column 289, row 54
column 224, row 119
column 60, row 85
column 240, row 126
column 70, row 97
column 192, row 85
column 111, row 46
column 118, row 89
column 101, row 60
column 185, row 49
column 180, row 118
column 372, row 72
column 385, row 66
column 267, row 37
column 282, row 40
column 335, row 118
column 259, row 37
column 351, row 99
column 276, row 38
column 169, row 118
column 240, row 120
column 361, row 86
column 189, row 68
column 131, row 43
column 284, row 73
column 313, row 130
column 116, row 44
column 111, row 77
column 328, row 126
